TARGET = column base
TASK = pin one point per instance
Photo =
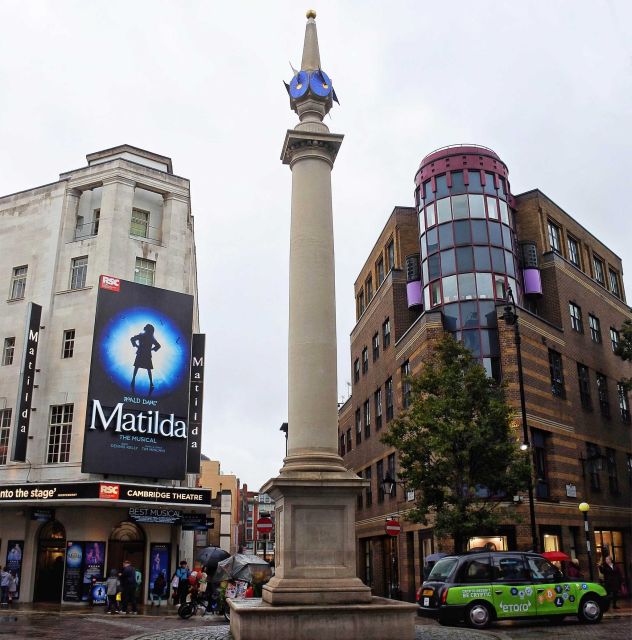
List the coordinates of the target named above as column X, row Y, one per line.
column 296, row 591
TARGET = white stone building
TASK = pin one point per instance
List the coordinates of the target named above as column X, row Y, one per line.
column 126, row 215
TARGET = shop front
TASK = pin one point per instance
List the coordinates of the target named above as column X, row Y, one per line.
column 87, row 529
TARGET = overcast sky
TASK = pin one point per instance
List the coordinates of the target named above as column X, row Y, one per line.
column 547, row 85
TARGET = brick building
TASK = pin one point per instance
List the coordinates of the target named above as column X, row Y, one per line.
column 446, row 264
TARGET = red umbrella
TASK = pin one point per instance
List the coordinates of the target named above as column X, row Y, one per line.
column 555, row 556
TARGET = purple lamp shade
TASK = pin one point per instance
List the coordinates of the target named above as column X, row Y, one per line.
column 413, row 292
column 532, row 282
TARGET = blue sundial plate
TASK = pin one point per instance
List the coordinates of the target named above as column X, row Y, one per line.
column 320, row 84
column 299, row 84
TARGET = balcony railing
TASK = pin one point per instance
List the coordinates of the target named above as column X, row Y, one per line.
column 87, row 230
column 152, row 234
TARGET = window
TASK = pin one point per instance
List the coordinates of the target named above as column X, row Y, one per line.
column 576, row 317
column 78, row 272
column 369, row 490
column 96, row 218
column 349, row 441
column 356, row 370
column 140, row 223
column 624, row 407
column 377, row 401
column 145, row 271
column 476, row 570
column 18, row 283
column 611, row 466
column 614, row 339
column 365, row 360
column 68, row 343
column 390, row 471
column 386, row 333
column 539, row 440
column 8, row 351
column 360, row 305
column 358, row 427
column 602, row 392
column 5, row 425
column 390, row 254
column 554, row 237
column 557, row 373
column 60, row 429
column 573, row 251
column 629, row 467
column 510, row 568
column 379, row 472
column 368, row 285
column 614, row 282
column 583, row 377
column 595, row 328
column 406, row 386
column 593, row 463
column 360, row 495
column 379, row 270
column 343, row 448
column 376, row 346
column 367, row 419
column 388, row 385
column 542, row 570
column 598, row 270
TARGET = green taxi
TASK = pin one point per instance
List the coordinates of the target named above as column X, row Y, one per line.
column 480, row 587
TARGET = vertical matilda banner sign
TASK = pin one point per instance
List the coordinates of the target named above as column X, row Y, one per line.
column 27, row 379
column 196, row 396
column 138, row 395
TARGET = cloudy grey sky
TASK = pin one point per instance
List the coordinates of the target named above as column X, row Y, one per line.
column 547, row 84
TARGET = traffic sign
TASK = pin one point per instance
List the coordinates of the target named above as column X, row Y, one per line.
column 264, row 525
column 393, row 528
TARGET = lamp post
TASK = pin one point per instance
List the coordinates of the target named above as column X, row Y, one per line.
column 389, row 486
column 584, row 507
column 511, row 318
column 284, row 428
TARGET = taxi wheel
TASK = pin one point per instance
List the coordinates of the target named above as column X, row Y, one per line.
column 478, row 615
column 590, row 610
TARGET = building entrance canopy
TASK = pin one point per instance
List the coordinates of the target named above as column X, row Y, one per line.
column 102, row 493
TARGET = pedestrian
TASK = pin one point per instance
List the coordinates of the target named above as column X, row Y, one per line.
column 5, row 578
column 611, row 579
column 572, row 570
column 182, row 573
column 158, row 589
column 128, row 587
column 14, row 581
column 112, row 587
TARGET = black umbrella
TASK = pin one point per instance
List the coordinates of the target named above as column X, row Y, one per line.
column 209, row 557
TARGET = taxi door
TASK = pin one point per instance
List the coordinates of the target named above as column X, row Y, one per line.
column 554, row 596
column 514, row 593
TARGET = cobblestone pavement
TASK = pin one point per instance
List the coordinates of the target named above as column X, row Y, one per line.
column 71, row 625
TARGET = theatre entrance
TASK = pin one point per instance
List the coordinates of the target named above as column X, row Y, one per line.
column 49, row 570
column 127, row 542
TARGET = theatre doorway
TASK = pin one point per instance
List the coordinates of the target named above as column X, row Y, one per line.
column 127, row 542
column 49, row 570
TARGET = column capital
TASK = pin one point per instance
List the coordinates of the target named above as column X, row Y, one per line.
column 119, row 180
column 302, row 144
column 177, row 197
column 73, row 192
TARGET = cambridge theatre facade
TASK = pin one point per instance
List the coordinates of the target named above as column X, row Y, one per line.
column 99, row 436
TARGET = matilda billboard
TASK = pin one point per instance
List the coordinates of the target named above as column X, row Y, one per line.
column 138, row 395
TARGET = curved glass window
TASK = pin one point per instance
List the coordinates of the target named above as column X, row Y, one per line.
column 506, row 237
column 448, row 262
column 504, row 212
column 424, row 271
column 465, row 259
column 458, row 182
column 477, row 206
column 434, row 267
column 444, row 211
column 435, row 293
column 498, row 260
column 492, row 367
column 481, row 258
column 474, row 177
column 489, row 342
column 469, row 315
column 500, row 287
column 495, row 233
column 424, row 250
column 479, row 232
column 462, row 232
column 488, row 314
column 427, row 297
column 432, row 240
column 445, row 236
column 441, row 183
column 484, row 285
column 509, row 264
column 450, row 293
column 451, row 317
column 431, row 219
column 501, row 187
column 467, row 286
column 490, row 187
column 428, row 194
column 460, row 209
column 472, row 340
column 492, row 208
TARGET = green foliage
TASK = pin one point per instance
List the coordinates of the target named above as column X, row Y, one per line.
column 455, row 440
column 624, row 350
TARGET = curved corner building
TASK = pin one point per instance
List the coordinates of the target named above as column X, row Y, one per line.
column 469, row 255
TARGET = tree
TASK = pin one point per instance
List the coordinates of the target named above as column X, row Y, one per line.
column 457, row 447
column 624, row 350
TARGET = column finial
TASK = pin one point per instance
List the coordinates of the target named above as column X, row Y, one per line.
column 310, row 14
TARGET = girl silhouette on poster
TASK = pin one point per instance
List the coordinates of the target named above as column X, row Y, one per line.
column 144, row 343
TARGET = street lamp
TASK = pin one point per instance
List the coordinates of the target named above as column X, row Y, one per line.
column 389, row 486
column 284, row 428
column 510, row 316
column 584, row 507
